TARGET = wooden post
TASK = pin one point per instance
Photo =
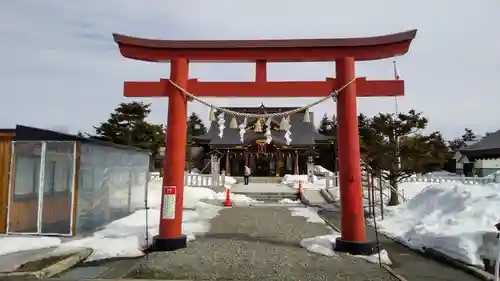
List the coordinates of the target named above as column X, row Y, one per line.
column 228, row 163
column 352, row 217
column 170, row 235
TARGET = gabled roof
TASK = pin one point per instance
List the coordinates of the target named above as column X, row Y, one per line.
column 26, row 133
column 487, row 147
column 469, row 143
column 302, row 133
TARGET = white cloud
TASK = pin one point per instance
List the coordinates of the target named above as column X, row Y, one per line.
column 60, row 66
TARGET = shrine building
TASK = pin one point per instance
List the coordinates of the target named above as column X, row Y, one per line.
column 279, row 157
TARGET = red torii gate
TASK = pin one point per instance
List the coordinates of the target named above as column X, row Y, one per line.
column 344, row 51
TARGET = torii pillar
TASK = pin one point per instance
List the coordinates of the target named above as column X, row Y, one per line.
column 345, row 52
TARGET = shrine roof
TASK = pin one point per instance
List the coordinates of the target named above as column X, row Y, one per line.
column 32, row 134
column 487, row 147
column 302, row 133
column 362, row 48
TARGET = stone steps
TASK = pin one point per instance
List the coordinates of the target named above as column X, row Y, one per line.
column 313, row 197
column 265, row 196
column 266, row 192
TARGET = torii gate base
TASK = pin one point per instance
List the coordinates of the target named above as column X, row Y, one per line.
column 343, row 51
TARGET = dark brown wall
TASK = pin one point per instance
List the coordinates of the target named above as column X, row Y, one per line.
column 5, row 158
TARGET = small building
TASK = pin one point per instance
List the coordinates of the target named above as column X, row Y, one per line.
column 480, row 158
column 60, row 184
column 462, row 164
column 274, row 159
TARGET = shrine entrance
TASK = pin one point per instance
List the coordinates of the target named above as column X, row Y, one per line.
column 261, row 157
column 344, row 89
column 262, row 166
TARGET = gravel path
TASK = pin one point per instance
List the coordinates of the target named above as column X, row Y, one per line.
column 250, row 243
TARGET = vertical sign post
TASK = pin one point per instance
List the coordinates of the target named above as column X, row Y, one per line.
column 169, row 194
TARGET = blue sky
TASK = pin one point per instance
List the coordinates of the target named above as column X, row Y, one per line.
column 61, row 69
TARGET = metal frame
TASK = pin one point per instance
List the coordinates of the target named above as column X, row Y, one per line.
column 73, row 187
column 40, row 211
column 9, row 191
column 41, row 183
column 11, row 197
column 129, row 192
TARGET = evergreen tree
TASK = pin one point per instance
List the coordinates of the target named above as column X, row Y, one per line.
column 458, row 143
column 328, row 126
column 195, row 125
column 398, row 148
column 127, row 125
column 365, row 133
column 327, row 153
column 469, row 135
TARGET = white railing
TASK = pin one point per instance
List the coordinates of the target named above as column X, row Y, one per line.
column 204, row 180
column 331, row 180
column 376, row 191
column 494, row 178
column 196, row 180
column 154, row 176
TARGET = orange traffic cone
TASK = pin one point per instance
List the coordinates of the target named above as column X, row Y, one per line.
column 228, row 203
column 299, row 191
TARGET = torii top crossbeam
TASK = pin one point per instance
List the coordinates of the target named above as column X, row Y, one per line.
column 283, row 50
column 261, row 52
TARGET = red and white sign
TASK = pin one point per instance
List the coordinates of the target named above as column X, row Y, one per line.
column 169, row 194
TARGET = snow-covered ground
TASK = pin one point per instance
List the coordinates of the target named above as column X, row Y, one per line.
column 324, row 244
column 12, row 244
column 289, row 201
column 293, row 181
column 126, row 237
column 451, row 218
column 411, row 189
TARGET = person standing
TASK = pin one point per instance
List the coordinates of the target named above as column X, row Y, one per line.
column 248, row 172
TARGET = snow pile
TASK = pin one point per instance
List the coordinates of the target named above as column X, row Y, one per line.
column 236, row 199
column 448, row 217
column 294, row 179
column 230, row 180
column 289, row 201
column 322, row 183
column 311, row 214
column 14, row 244
column 126, row 237
column 322, row 170
column 325, row 181
column 324, row 244
column 411, row 189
